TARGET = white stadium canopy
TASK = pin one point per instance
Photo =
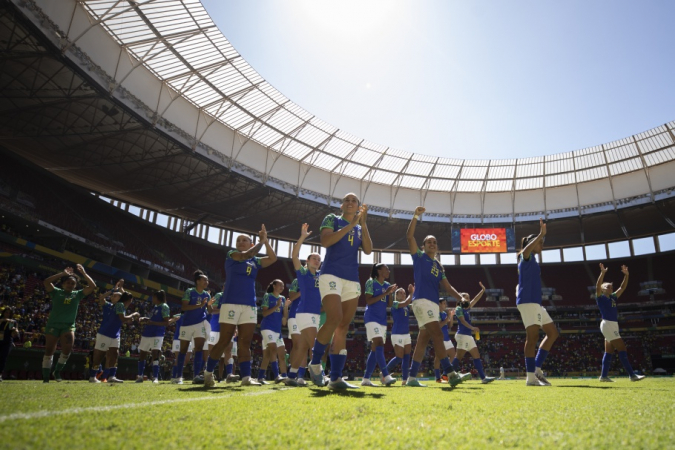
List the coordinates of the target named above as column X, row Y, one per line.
column 167, row 60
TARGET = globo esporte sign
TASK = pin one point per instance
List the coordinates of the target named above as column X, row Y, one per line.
column 483, row 240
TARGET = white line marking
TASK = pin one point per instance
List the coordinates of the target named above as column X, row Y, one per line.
column 41, row 414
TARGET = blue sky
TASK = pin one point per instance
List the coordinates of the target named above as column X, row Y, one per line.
column 466, row 79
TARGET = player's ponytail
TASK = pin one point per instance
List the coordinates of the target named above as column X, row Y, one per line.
column 198, row 274
column 270, row 287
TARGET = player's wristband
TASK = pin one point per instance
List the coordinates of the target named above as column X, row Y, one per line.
column 416, row 217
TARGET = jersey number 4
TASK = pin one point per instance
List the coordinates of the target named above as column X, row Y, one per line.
column 351, row 239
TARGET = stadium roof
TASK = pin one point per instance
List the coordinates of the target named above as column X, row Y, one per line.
column 147, row 102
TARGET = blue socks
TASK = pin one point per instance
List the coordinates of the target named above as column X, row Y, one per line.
column 478, row 364
column 292, row 374
column 405, row 366
column 337, row 363
column 228, row 368
column 198, row 363
column 275, row 368
column 106, row 374
column 438, row 373
column 371, row 362
column 623, row 357
column 245, row 369
column 446, row 365
column 92, row 373
column 141, row 368
column 212, row 363
column 381, row 360
column 529, row 365
column 180, row 363
column 261, row 374
column 455, row 364
column 414, row 368
column 393, row 363
column 301, row 372
column 113, row 370
column 318, row 351
column 606, row 363
column 155, row 369
column 541, row 357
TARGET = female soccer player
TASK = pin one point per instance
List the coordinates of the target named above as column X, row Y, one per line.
column 378, row 298
column 273, row 312
column 238, row 308
column 196, row 303
column 342, row 236
column 606, row 300
column 153, row 333
column 108, row 336
column 177, row 377
column 400, row 332
column 445, row 320
column 534, row 315
column 429, row 275
column 308, row 312
column 61, row 323
column 466, row 342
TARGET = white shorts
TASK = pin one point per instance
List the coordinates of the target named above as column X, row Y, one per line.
column 375, row 330
column 191, row 332
column 610, row 330
column 280, row 342
column 150, row 343
column 332, row 285
column 238, row 314
column 465, row 342
column 269, row 337
column 214, row 337
column 307, row 320
column 401, row 339
column 293, row 327
column 425, row 311
column 103, row 343
column 448, row 345
column 534, row 314
column 207, row 328
column 176, row 346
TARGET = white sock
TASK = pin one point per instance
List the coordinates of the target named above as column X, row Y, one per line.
column 47, row 362
column 531, row 377
column 538, row 370
column 245, row 378
column 63, row 358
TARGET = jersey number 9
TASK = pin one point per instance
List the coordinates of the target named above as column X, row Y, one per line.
column 248, row 270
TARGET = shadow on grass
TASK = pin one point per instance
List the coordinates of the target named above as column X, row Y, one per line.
column 346, row 393
column 589, row 387
column 215, row 390
column 463, row 388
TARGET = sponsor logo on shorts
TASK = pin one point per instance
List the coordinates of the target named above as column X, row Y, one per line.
column 377, row 330
column 313, row 320
column 295, row 327
column 156, row 342
column 230, row 314
column 269, row 336
column 332, row 285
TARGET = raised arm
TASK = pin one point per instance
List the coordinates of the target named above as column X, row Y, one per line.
column 284, row 317
column 410, row 234
column 601, row 279
column 447, row 287
column 330, row 237
column 49, row 282
column 366, row 242
column 542, row 232
column 478, row 296
column 304, row 234
column 251, row 252
column 271, row 257
column 91, row 285
column 624, row 283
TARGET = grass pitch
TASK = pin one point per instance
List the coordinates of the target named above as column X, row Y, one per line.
column 571, row 414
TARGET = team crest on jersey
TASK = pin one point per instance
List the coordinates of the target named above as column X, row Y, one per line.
column 332, row 285
column 230, row 314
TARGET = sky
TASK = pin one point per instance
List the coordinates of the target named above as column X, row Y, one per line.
column 466, row 79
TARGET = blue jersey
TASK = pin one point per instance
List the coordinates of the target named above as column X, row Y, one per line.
column 310, row 297
column 240, row 280
column 401, row 318
column 179, row 323
column 159, row 313
column 428, row 274
column 461, row 328
column 342, row 258
column 607, row 307
column 529, row 281
column 446, row 334
column 192, row 297
column 292, row 310
column 272, row 321
column 111, row 325
column 376, row 312
column 215, row 317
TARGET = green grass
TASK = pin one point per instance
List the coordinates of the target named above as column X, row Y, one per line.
column 571, row 414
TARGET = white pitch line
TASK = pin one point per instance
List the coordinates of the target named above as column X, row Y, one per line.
column 41, row 414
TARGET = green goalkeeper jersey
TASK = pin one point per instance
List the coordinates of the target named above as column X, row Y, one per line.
column 64, row 305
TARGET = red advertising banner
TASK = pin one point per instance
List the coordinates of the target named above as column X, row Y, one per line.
column 483, row 240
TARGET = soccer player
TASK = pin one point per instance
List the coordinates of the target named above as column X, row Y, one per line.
column 606, row 300
column 196, row 300
column 466, row 342
column 378, row 298
column 238, row 308
column 534, row 315
column 342, row 236
column 429, row 275
column 61, row 323
column 308, row 312
column 108, row 336
column 445, row 320
column 273, row 311
column 292, row 303
column 230, row 353
column 400, row 332
column 153, row 333
column 176, row 376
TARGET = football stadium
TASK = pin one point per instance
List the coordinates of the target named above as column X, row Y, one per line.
column 180, row 242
